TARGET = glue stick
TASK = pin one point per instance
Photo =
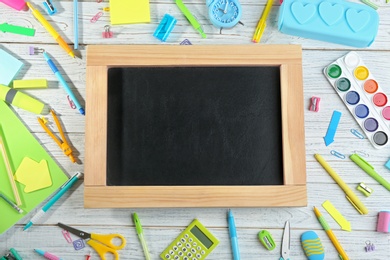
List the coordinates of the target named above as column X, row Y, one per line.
column 21, row 100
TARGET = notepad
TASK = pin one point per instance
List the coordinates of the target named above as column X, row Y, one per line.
column 9, row 67
column 129, row 11
column 20, row 143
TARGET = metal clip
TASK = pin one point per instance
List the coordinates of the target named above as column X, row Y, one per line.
column 266, row 239
column 364, row 189
column 66, row 235
column 107, row 33
column 49, row 7
column 357, row 134
column 361, row 153
column 96, row 17
column 337, row 154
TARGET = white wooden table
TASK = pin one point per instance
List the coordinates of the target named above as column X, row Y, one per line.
column 161, row 226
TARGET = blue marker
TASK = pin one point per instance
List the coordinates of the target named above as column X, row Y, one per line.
column 53, row 200
column 233, row 236
column 63, row 83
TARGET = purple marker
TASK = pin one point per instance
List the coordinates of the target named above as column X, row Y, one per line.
column 47, row 255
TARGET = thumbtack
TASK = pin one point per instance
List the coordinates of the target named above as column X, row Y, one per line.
column 107, row 33
column 34, row 51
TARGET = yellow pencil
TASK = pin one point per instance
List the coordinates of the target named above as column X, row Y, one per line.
column 330, row 234
column 51, row 30
column 262, row 22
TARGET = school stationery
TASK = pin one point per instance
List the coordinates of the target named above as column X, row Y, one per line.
column 383, row 222
column 50, row 8
column 13, row 205
column 364, row 189
column 63, row 144
column 15, row 4
column 21, row 100
column 339, row 22
column 47, row 255
column 21, row 143
column 125, row 12
column 9, row 67
column 336, row 215
column 102, row 243
column 9, row 28
column 362, row 95
column 64, row 188
column 12, row 255
column 194, row 241
column 333, row 124
column 285, row 249
column 365, row 166
column 349, row 194
column 330, row 234
column 63, row 82
column 165, row 27
column 50, row 30
column 233, row 236
column 262, row 22
column 76, row 24
column 224, row 13
column 191, row 19
column 312, row 246
column 33, row 175
column 29, row 83
column 267, row 240
column 140, row 234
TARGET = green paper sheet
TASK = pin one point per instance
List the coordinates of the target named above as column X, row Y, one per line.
column 20, row 143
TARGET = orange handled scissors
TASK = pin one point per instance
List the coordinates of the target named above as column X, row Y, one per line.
column 101, row 243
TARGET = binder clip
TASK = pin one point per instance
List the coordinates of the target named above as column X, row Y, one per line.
column 50, row 9
column 369, row 246
column 34, row 51
column 107, row 33
column 165, row 27
column 364, row 189
column 11, row 255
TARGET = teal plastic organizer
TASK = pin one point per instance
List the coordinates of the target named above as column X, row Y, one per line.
column 334, row 21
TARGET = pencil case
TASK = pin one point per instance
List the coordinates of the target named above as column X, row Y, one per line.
column 334, row 21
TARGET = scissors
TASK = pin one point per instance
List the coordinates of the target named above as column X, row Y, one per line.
column 286, row 242
column 101, row 243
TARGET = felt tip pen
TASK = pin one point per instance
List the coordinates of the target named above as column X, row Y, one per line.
column 262, row 22
column 233, row 236
column 64, row 188
column 63, row 83
column 13, row 205
column 365, row 166
column 47, row 255
column 190, row 18
column 140, row 234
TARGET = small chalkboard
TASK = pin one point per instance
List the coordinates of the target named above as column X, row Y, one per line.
column 174, row 126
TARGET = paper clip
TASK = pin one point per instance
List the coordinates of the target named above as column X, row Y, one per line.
column 34, row 51
column 361, row 153
column 186, row 42
column 107, row 33
column 96, row 17
column 369, row 246
column 63, row 144
column 364, row 189
column 71, row 103
column 314, row 104
column 266, row 239
column 66, row 235
column 357, row 133
column 337, row 154
column 48, row 4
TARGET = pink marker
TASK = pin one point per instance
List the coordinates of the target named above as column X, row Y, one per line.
column 47, row 255
column 16, row 4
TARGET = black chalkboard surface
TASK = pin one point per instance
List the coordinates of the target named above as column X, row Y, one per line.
column 194, row 126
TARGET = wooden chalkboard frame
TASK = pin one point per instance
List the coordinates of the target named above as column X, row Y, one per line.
column 97, row 194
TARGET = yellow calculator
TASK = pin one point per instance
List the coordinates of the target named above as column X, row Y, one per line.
column 194, row 243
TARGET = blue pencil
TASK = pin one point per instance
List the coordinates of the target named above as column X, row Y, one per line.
column 76, row 24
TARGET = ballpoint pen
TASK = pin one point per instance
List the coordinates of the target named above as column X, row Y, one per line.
column 140, row 234
column 63, row 83
column 13, row 205
column 369, row 170
column 262, row 22
column 64, row 188
column 47, row 255
column 233, row 236
column 51, row 30
column 350, row 195
column 190, row 18
column 330, row 234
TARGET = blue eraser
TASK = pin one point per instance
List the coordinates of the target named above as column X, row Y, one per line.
column 9, row 67
column 312, row 246
column 165, row 27
column 334, row 21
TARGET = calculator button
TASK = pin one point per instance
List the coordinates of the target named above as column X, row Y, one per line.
column 194, row 244
column 180, row 253
column 179, row 244
column 194, row 258
column 167, row 256
column 190, row 240
column 203, row 252
column 188, row 245
column 193, row 250
column 198, row 256
column 177, row 257
column 186, row 236
column 184, row 249
column 183, row 240
column 175, row 248
column 199, row 248
column 171, row 252
column 185, row 258
column 189, row 254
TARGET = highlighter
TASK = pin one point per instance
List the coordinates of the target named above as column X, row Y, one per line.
column 21, row 100
column 15, row 4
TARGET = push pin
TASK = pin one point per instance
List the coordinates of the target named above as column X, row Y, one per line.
column 369, row 246
column 34, row 51
column 107, row 33
column 48, row 4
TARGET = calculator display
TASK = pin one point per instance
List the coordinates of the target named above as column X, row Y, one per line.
column 201, row 237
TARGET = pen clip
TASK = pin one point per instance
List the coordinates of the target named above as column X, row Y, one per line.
column 353, row 204
column 357, row 157
column 76, row 175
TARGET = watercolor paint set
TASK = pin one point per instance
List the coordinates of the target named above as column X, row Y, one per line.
column 362, row 95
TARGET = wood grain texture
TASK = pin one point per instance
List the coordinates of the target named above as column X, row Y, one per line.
column 161, row 226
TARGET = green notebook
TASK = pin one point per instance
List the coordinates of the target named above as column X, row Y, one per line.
column 21, row 143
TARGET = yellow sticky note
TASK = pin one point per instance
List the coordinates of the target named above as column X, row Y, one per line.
column 33, row 175
column 30, row 83
column 129, row 11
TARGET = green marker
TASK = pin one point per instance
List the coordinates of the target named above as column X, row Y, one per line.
column 369, row 170
column 140, row 234
column 5, row 27
column 190, row 17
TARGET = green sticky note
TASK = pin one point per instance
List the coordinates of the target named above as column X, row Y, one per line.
column 9, row 28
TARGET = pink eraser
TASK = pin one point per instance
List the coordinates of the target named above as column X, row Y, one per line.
column 383, row 222
column 15, row 4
